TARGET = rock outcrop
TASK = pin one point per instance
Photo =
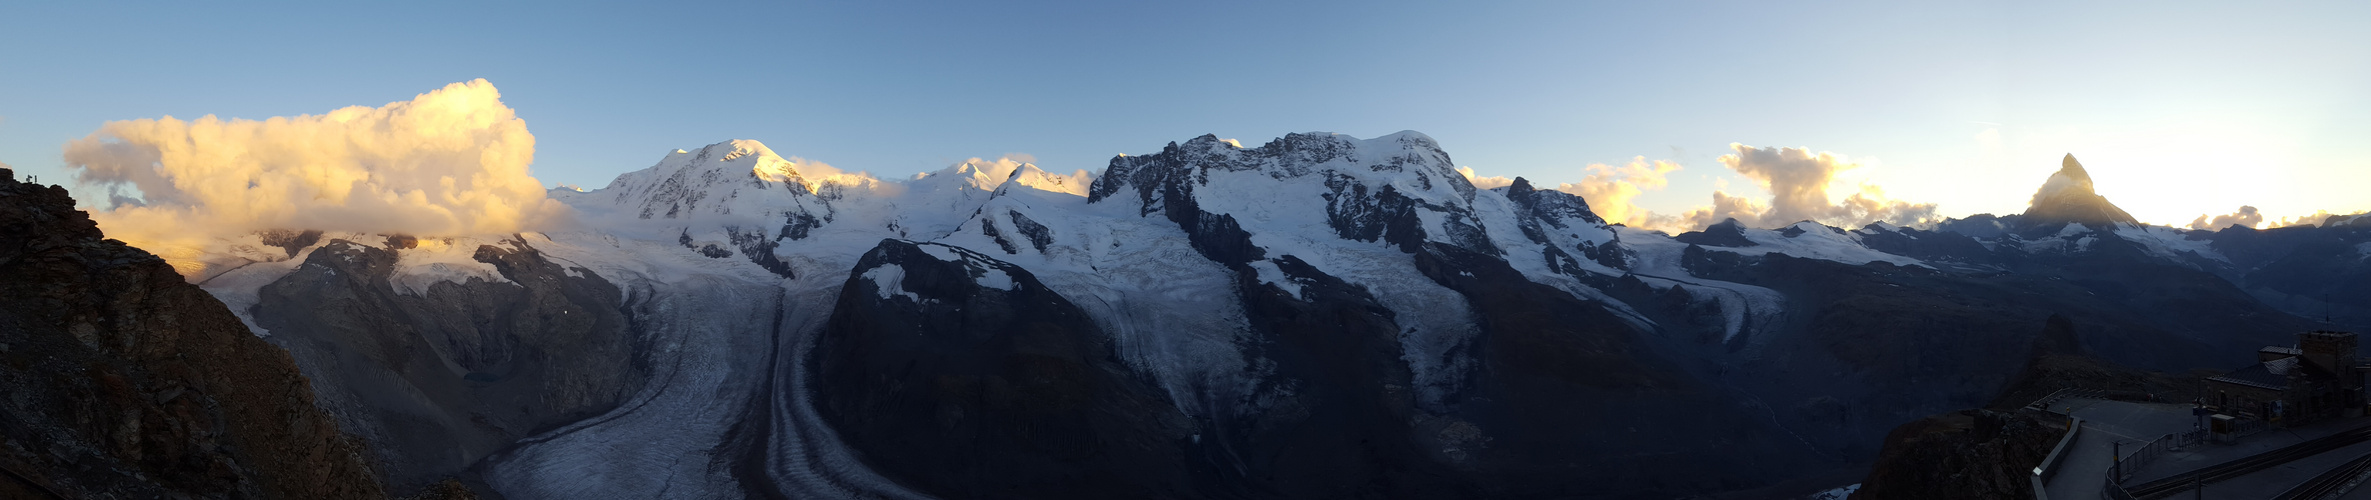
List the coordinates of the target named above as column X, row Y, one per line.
column 966, row 377
column 1972, row 454
column 124, row 381
column 437, row 377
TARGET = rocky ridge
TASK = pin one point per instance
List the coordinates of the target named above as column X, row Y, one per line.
column 126, row 381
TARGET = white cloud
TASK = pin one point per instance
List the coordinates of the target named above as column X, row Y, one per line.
column 1801, row 185
column 2246, row 216
column 1613, row 191
column 452, row 161
column 1493, row 182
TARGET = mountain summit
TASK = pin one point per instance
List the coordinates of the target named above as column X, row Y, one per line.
column 2068, row 197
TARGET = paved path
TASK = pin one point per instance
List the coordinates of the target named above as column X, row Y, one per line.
column 2083, row 469
column 2107, row 427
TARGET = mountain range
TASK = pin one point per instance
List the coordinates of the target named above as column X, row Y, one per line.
column 1317, row 316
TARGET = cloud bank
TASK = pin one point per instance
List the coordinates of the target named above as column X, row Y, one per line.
column 1801, row 183
column 2318, row 217
column 2246, row 216
column 452, row 161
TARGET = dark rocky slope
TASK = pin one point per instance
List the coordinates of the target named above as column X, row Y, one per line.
column 124, row 381
column 971, row 391
column 1989, row 452
column 1970, row 454
column 438, row 380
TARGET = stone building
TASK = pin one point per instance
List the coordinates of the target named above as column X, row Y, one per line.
column 2317, row 379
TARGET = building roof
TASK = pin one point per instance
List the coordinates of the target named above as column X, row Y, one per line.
column 2283, row 350
column 2272, row 374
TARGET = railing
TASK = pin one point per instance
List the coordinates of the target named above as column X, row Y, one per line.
column 2131, row 464
column 2049, row 467
column 2249, row 427
column 2063, row 394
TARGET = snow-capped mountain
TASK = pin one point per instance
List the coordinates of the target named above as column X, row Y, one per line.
column 1319, row 315
column 2069, row 196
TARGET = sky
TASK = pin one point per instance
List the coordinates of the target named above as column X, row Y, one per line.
column 2177, row 109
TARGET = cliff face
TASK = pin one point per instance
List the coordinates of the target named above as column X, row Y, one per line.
column 124, row 381
column 997, row 390
column 1965, row 454
column 436, row 379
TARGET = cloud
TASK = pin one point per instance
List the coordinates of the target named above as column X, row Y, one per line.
column 2250, row 217
column 452, row 161
column 1493, row 182
column 1801, row 184
column 1612, row 191
column 2246, row 216
column 1724, row 206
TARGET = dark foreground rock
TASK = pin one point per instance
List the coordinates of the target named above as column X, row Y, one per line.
column 121, row 380
column 1973, row 454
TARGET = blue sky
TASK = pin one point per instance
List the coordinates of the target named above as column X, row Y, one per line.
column 2179, row 109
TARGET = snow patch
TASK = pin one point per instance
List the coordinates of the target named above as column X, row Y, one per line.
column 1837, row 493
column 992, row 277
column 438, row 260
column 2168, row 243
column 889, row 281
column 1271, row 275
column 1816, row 241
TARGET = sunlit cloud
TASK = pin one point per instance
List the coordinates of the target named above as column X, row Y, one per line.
column 1613, row 191
column 1801, row 184
column 453, row 161
column 2246, row 216
column 2318, row 217
column 1493, row 182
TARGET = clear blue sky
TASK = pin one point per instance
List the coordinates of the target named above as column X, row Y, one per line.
column 2178, row 108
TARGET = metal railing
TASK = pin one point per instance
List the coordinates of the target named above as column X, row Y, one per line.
column 2131, row 464
column 2249, row 427
column 2046, row 402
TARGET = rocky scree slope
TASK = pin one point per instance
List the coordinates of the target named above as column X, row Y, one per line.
column 125, row 381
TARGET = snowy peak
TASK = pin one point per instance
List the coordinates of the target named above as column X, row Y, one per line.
column 1408, row 154
column 732, row 178
column 1554, row 207
column 2068, row 197
column 1400, row 189
column 1031, row 177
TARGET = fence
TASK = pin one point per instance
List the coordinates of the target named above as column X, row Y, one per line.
column 2046, row 402
column 2113, row 488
